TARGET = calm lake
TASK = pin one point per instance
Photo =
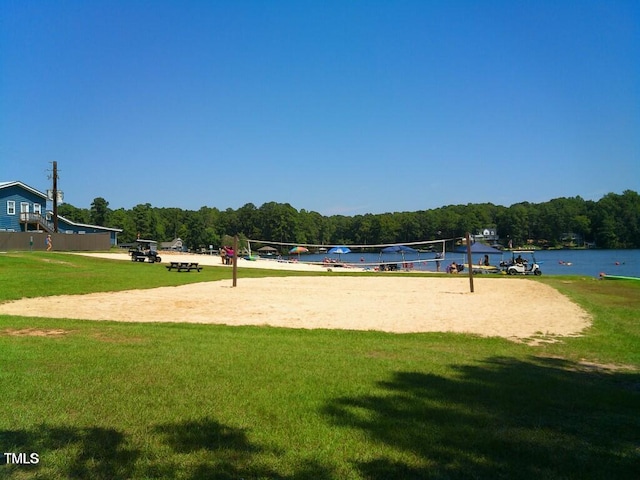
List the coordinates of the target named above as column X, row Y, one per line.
column 552, row 262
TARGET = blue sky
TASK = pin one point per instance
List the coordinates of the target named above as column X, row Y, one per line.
column 340, row 107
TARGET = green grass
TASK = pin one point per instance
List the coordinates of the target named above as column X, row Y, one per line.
column 107, row 400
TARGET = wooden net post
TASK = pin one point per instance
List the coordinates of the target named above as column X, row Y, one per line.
column 470, row 262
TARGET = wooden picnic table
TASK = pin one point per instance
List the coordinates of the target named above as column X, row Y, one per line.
column 184, row 266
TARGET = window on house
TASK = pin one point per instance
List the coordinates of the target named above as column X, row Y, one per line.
column 37, row 208
column 11, row 207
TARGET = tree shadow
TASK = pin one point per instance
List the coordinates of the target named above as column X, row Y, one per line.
column 224, row 452
column 504, row 418
column 99, row 453
column 202, row 448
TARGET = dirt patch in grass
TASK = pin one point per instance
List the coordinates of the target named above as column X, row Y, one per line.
column 33, row 332
column 594, row 367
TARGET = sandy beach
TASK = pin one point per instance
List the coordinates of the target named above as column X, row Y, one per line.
column 514, row 308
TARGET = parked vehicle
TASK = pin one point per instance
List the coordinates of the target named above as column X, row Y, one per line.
column 145, row 250
column 521, row 266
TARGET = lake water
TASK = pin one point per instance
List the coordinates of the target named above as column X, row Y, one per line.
column 552, row 262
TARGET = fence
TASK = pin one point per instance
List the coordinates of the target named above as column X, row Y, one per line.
column 65, row 242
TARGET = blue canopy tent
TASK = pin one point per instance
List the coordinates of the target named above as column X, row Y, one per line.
column 478, row 248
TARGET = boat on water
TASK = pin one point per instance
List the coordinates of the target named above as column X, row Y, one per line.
column 605, row 276
column 480, row 269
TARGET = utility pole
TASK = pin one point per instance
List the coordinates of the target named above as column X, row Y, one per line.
column 55, row 196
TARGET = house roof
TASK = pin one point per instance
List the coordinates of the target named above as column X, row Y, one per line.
column 26, row 187
column 173, row 243
column 100, row 227
column 60, row 217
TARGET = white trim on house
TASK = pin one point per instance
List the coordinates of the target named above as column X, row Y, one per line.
column 100, row 227
column 26, row 187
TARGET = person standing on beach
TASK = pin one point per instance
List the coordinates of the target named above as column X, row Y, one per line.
column 48, row 243
column 230, row 257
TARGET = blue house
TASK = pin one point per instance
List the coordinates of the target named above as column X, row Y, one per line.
column 24, row 209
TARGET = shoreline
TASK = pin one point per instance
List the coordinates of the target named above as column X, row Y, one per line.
column 216, row 261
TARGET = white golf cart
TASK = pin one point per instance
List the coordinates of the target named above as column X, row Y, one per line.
column 518, row 265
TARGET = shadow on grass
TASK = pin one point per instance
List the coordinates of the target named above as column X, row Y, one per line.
column 197, row 449
column 88, row 452
column 505, row 418
column 225, row 453
column 211, row 450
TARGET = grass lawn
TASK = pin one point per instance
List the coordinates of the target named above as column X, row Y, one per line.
column 108, row 400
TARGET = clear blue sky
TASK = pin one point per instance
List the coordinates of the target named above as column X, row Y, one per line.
column 341, row 107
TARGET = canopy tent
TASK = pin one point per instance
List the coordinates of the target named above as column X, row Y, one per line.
column 478, row 248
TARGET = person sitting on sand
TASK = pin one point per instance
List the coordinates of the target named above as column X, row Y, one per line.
column 453, row 268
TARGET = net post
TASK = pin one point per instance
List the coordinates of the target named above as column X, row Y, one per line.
column 470, row 262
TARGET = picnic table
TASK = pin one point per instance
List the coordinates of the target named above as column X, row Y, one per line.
column 184, row 266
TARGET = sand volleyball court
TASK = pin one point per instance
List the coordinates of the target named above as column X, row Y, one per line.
column 514, row 308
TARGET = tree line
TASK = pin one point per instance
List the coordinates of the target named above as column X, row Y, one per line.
column 611, row 222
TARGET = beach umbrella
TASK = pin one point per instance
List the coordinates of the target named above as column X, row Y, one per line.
column 298, row 250
column 338, row 250
column 402, row 249
column 267, row 249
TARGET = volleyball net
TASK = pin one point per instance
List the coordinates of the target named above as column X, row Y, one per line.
column 420, row 255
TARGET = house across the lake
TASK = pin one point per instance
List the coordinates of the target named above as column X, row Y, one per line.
column 23, row 209
column 175, row 244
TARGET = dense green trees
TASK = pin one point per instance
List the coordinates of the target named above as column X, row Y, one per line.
column 611, row 222
column 99, row 211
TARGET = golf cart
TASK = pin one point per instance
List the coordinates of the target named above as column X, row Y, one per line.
column 145, row 250
column 521, row 266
